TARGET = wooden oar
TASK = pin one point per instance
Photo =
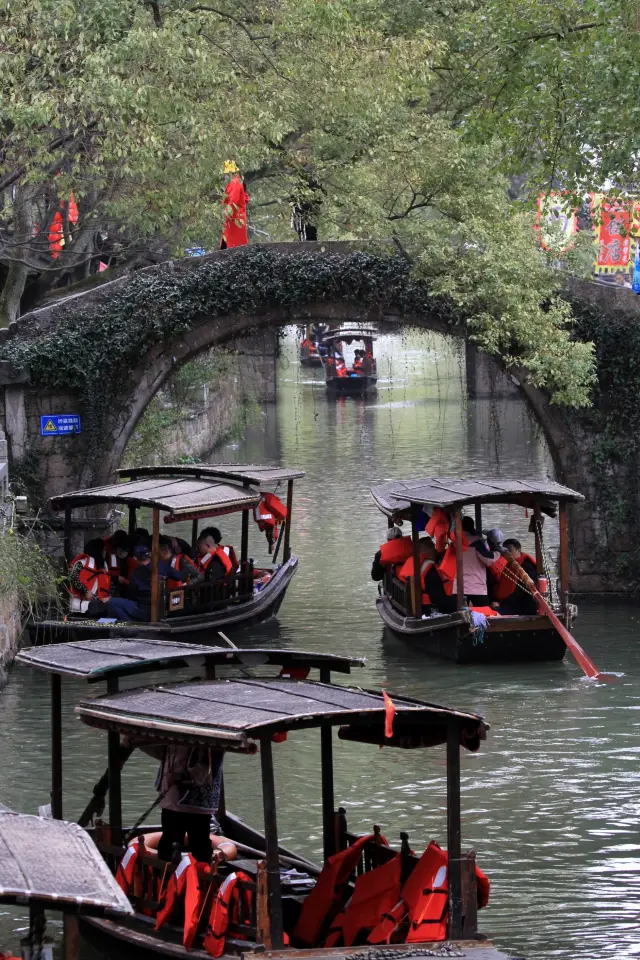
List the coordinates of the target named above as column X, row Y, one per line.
column 583, row 661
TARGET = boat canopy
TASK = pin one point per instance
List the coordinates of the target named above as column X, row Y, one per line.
column 255, row 474
column 55, row 864
column 95, row 660
column 179, row 495
column 348, row 334
column 230, row 714
column 398, row 495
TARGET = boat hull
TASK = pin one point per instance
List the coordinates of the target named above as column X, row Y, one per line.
column 351, row 386
column 310, row 361
column 450, row 637
column 197, row 629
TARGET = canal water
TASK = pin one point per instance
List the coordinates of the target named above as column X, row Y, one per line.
column 551, row 801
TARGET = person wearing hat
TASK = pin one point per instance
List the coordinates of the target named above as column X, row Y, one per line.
column 394, row 552
column 137, row 606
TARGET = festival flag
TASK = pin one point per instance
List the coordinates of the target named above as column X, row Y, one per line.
column 390, row 712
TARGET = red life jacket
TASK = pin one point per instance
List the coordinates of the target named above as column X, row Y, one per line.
column 447, row 568
column 406, row 573
column 183, row 882
column 176, row 561
column 327, row 897
column 224, row 911
column 127, row 866
column 204, row 562
column 395, row 551
column 358, row 365
column 341, row 368
column 96, row 581
column 230, row 552
column 375, row 894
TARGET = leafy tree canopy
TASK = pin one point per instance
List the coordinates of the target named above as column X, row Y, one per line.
column 379, row 118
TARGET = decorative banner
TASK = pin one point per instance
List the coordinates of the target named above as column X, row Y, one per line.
column 613, row 240
column 555, row 220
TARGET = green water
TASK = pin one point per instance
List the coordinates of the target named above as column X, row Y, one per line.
column 550, row 803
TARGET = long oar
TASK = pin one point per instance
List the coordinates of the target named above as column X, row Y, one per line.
column 583, row 661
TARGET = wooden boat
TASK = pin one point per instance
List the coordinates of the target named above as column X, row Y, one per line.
column 342, row 380
column 54, row 865
column 452, row 636
column 245, row 715
column 196, row 493
column 313, row 348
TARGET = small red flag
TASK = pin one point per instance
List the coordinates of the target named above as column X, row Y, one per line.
column 390, row 712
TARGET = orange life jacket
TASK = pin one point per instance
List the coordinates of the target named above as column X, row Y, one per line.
column 224, row 911
column 438, row 528
column 230, row 552
column 341, row 368
column 406, row 573
column 127, row 866
column 505, row 585
column 424, row 901
column 395, row 551
column 375, row 893
column 96, row 581
column 327, row 897
column 447, row 568
column 358, row 365
column 204, row 562
column 184, row 882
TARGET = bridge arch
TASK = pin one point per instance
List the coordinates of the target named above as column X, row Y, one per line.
column 165, row 315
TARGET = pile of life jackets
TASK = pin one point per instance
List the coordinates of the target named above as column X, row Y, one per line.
column 381, row 908
column 268, row 514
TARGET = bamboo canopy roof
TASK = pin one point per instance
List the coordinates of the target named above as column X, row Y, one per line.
column 55, row 864
column 176, row 495
column 231, row 713
column 444, row 492
column 255, row 474
column 95, row 660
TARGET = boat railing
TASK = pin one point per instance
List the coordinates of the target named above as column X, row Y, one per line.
column 399, row 593
column 209, row 594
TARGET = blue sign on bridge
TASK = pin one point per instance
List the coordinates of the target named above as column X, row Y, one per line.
column 55, row 424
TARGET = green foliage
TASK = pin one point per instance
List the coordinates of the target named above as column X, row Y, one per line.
column 27, row 576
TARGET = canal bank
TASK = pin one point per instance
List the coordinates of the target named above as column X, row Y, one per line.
column 549, row 803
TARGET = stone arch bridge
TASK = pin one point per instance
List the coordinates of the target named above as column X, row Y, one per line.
column 171, row 312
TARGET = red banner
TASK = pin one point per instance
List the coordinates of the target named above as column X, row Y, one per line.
column 614, row 244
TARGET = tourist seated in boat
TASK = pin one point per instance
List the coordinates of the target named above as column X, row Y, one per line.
column 176, row 567
column 137, row 604
column 476, row 558
column 509, row 596
column 189, row 782
column 179, row 545
column 90, row 582
column 117, row 548
column 341, row 367
column 228, row 549
column 428, row 558
column 391, row 554
column 358, row 361
column 212, row 561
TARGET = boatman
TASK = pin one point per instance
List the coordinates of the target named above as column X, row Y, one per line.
column 391, row 554
column 510, row 598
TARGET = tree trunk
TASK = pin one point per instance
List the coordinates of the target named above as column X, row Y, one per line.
column 17, row 275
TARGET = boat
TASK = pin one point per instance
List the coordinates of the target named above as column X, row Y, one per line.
column 313, row 348
column 48, row 864
column 195, row 493
column 455, row 636
column 278, row 890
column 363, row 376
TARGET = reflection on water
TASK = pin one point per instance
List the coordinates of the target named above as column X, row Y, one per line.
column 551, row 801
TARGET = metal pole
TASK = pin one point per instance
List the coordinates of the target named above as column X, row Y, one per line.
column 194, row 535
column 459, row 561
column 244, row 543
column 328, row 802
column 67, row 533
column 478, row 518
column 271, row 840
column 115, row 783
column 56, row 746
column 564, row 557
column 416, row 586
column 454, row 840
column 132, row 519
column 286, row 553
column 155, row 557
